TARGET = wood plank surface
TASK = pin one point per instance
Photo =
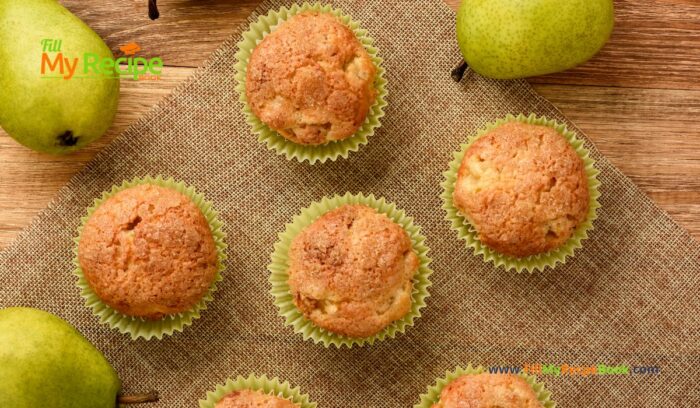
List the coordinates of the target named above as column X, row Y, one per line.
column 639, row 99
column 655, row 44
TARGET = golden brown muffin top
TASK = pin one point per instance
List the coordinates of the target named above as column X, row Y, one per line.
column 311, row 80
column 253, row 399
column 523, row 188
column 148, row 252
column 351, row 271
column 488, row 391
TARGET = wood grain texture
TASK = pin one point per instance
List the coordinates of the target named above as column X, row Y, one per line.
column 184, row 35
column 639, row 100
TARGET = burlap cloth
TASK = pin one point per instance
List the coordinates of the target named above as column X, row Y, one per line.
column 629, row 297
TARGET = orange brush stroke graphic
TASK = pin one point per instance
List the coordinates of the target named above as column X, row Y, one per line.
column 130, row 48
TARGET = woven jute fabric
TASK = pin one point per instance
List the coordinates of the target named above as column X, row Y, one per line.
column 630, row 296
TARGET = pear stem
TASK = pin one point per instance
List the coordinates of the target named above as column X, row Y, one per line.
column 153, row 10
column 151, row 396
column 458, row 73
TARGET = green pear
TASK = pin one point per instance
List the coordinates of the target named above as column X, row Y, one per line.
column 45, row 362
column 49, row 112
column 508, row 39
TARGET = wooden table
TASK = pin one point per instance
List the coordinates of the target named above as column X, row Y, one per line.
column 639, row 99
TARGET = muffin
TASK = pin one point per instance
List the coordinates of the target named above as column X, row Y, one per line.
column 148, row 252
column 487, row 391
column 311, row 80
column 253, row 399
column 256, row 392
column 523, row 188
column 350, row 271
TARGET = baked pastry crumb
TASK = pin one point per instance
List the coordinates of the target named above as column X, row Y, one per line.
column 351, row 271
column 253, row 399
column 488, row 391
column 523, row 188
column 311, row 80
column 148, row 251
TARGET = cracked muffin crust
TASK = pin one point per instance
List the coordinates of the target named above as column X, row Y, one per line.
column 351, row 271
column 523, row 188
column 488, row 391
column 311, row 80
column 253, row 399
column 148, row 252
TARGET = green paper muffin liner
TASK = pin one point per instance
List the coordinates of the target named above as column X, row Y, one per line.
column 279, row 265
column 269, row 386
column 135, row 326
column 433, row 395
column 276, row 142
column 531, row 263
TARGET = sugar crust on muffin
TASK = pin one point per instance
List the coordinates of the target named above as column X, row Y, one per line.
column 488, row 391
column 311, row 80
column 523, row 188
column 148, row 251
column 253, row 399
column 351, row 271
